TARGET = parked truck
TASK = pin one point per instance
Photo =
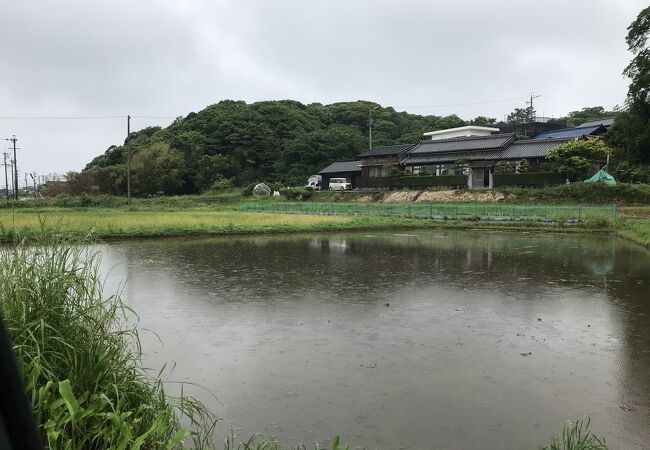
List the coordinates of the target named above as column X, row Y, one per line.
column 314, row 182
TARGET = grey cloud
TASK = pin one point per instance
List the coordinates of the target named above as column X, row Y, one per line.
column 170, row 57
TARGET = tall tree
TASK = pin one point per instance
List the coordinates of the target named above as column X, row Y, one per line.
column 630, row 133
column 639, row 68
column 522, row 115
column 574, row 159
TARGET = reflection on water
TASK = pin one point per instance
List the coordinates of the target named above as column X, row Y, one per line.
column 402, row 340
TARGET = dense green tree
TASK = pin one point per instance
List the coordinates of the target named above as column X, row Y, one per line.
column 501, row 167
column 157, row 169
column 273, row 141
column 575, row 118
column 575, row 159
column 522, row 115
column 483, row 121
column 639, row 68
column 630, row 134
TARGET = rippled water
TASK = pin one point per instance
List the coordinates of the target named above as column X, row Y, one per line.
column 401, row 340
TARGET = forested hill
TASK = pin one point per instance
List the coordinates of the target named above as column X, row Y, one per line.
column 236, row 143
column 233, row 143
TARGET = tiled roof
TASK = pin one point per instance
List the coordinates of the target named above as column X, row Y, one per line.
column 605, row 121
column 516, row 150
column 387, row 150
column 570, row 132
column 461, row 144
column 531, row 148
column 448, row 157
column 344, row 166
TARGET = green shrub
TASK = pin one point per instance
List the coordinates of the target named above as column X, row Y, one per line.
column 631, row 173
column 297, row 193
column 621, row 193
column 222, row 185
column 527, row 179
column 523, row 166
column 501, row 167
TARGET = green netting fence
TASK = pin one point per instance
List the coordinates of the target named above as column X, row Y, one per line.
column 442, row 211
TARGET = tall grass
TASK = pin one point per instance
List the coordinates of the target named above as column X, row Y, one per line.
column 577, row 436
column 258, row 442
column 79, row 353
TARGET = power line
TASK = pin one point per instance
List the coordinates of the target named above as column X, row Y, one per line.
column 60, row 117
column 154, row 117
column 463, row 104
column 81, row 117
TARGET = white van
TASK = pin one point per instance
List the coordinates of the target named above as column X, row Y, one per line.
column 340, row 184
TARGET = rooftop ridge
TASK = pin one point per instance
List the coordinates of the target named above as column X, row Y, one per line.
column 536, row 141
column 467, row 138
column 570, row 128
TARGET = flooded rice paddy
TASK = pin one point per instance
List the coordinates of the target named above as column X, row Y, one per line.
column 411, row 340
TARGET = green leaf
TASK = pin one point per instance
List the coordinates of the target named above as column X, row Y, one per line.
column 70, row 400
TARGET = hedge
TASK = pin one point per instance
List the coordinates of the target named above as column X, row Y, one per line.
column 527, row 179
column 431, row 181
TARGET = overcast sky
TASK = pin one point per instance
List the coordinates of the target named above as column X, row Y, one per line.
column 171, row 57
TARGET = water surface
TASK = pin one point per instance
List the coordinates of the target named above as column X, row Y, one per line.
column 454, row 340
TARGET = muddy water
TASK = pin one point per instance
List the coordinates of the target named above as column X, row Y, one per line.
column 452, row 340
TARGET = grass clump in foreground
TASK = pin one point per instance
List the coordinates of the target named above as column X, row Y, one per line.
column 80, row 357
column 577, row 436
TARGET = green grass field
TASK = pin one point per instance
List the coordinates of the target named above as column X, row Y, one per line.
column 485, row 211
column 180, row 218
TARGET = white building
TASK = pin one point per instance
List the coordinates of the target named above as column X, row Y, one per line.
column 470, row 130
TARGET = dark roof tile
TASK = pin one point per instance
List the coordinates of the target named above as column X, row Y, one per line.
column 343, row 166
column 461, row 144
column 387, row 150
column 605, row 121
column 516, row 150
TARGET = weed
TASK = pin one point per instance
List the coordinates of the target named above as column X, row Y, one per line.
column 577, row 436
column 80, row 357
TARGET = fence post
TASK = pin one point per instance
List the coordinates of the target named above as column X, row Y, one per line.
column 579, row 212
column 614, row 210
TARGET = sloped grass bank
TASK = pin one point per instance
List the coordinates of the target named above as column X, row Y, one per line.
column 80, row 357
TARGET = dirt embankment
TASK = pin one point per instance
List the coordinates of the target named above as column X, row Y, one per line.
column 451, row 196
column 460, row 196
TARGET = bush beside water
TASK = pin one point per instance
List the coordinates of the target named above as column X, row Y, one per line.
column 80, row 356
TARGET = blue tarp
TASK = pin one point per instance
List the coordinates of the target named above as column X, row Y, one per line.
column 568, row 132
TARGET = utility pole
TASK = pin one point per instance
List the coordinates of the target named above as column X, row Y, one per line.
column 5, row 154
column 128, row 161
column 533, row 96
column 33, row 175
column 11, row 171
column 13, row 140
column 370, row 127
